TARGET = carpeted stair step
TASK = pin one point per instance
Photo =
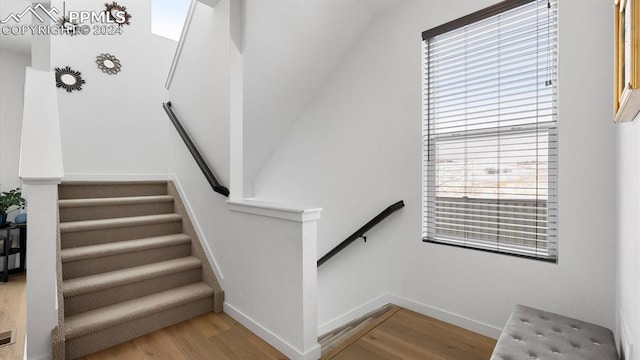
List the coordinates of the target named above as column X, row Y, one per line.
column 105, row 208
column 95, row 291
column 95, row 259
column 104, row 327
column 104, row 189
column 93, row 232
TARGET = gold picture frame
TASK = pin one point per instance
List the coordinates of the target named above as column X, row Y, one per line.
column 627, row 60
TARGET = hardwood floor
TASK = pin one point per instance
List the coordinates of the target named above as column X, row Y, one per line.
column 210, row 336
column 409, row 335
column 13, row 315
column 404, row 335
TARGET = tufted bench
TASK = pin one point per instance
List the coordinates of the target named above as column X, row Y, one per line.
column 534, row 334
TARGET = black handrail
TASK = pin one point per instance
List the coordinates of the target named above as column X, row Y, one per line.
column 208, row 174
column 360, row 233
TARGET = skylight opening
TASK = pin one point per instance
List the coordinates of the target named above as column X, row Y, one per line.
column 168, row 16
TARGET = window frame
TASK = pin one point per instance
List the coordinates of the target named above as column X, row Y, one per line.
column 429, row 192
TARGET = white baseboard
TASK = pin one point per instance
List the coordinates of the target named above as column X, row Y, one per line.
column 451, row 318
column 355, row 313
column 198, row 229
column 626, row 347
column 115, row 177
column 271, row 338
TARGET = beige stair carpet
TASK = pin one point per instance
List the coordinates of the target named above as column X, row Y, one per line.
column 131, row 263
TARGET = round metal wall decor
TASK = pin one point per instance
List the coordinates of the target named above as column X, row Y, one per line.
column 69, row 79
column 109, row 64
column 67, row 26
column 118, row 13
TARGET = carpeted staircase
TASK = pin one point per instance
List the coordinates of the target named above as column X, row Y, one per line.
column 131, row 264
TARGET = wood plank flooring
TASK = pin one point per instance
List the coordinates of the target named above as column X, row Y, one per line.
column 13, row 315
column 404, row 335
column 210, row 336
column 409, row 335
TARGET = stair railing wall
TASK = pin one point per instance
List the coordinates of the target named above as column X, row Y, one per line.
column 202, row 163
column 267, row 253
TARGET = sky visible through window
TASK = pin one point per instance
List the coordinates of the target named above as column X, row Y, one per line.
column 479, row 94
column 167, row 17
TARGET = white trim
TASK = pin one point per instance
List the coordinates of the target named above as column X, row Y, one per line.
column 273, row 339
column 115, row 177
column 625, row 342
column 198, row 230
column 41, row 181
column 355, row 313
column 449, row 317
column 275, row 210
column 183, row 37
column 443, row 315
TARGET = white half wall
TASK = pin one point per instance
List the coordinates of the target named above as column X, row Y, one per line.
column 12, row 76
column 628, row 186
column 115, row 125
column 271, row 282
column 357, row 148
column 41, row 170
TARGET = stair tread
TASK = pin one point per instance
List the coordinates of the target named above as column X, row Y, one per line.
column 129, row 200
column 108, row 316
column 120, row 247
column 85, row 225
column 92, row 283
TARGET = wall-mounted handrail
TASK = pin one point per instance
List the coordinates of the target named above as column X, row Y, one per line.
column 206, row 170
column 360, row 233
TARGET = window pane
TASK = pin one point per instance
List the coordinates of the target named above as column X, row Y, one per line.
column 490, row 139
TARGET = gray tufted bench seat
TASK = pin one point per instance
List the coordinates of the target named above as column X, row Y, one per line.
column 534, row 334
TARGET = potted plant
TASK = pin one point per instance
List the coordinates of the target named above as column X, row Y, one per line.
column 10, row 200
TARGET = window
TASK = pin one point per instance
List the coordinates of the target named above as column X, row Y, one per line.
column 489, row 130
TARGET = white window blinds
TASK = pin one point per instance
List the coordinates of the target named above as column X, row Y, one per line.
column 489, row 130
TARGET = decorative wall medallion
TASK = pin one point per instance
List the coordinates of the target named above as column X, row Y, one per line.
column 109, row 64
column 118, row 13
column 67, row 26
column 69, row 79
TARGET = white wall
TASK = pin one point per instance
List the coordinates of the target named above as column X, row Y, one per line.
column 200, row 88
column 628, row 185
column 271, row 282
column 12, row 74
column 266, row 266
column 357, row 148
column 115, row 125
column 292, row 47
